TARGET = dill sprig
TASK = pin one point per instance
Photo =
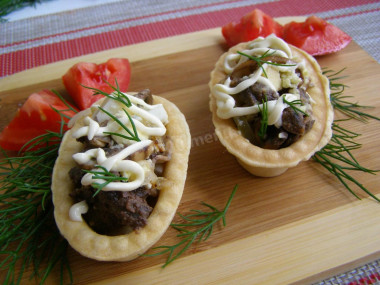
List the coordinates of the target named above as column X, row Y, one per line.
column 264, row 118
column 133, row 135
column 338, row 159
column 100, row 172
column 119, row 96
column 197, row 226
column 28, row 234
column 9, row 6
column 338, row 100
column 336, row 156
column 260, row 60
column 293, row 105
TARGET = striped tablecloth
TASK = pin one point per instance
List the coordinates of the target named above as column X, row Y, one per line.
column 41, row 40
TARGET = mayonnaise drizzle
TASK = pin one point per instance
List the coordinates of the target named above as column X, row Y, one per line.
column 149, row 120
column 77, row 210
column 223, row 92
column 127, row 168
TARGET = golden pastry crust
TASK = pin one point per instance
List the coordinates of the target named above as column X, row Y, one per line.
column 266, row 162
column 123, row 247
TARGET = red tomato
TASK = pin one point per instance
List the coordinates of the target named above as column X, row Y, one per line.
column 94, row 75
column 33, row 119
column 316, row 36
column 252, row 25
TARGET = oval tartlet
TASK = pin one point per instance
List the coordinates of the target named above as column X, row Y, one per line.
column 267, row 162
column 129, row 246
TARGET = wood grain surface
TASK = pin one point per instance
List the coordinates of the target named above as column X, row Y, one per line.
column 299, row 227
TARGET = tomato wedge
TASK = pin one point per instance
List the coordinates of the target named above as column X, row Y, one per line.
column 95, row 76
column 252, row 25
column 34, row 118
column 316, row 36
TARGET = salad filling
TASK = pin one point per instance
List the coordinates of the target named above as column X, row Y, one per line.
column 118, row 174
column 265, row 93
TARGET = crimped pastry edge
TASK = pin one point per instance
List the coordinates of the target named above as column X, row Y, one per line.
column 269, row 163
column 123, row 247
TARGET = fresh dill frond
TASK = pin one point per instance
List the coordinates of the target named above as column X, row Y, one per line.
column 264, row 119
column 100, row 172
column 29, row 235
column 117, row 95
column 336, row 156
column 197, row 226
column 339, row 101
column 338, row 159
column 293, row 105
column 260, row 60
column 9, row 6
column 122, row 98
column 61, row 112
column 134, row 136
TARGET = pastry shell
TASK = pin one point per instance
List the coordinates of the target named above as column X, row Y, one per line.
column 269, row 163
column 129, row 246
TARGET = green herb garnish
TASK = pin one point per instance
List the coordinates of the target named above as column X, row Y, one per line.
column 9, row 6
column 117, row 95
column 198, row 226
column 293, row 105
column 264, row 118
column 28, row 233
column 134, row 136
column 336, row 156
column 122, row 98
column 338, row 100
column 260, row 60
column 101, row 172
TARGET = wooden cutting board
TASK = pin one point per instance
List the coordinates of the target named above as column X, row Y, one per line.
column 299, row 227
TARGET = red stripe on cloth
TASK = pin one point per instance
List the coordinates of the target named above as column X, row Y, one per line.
column 275, row 9
column 20, row 60
column 118, row 22
column 372, row 279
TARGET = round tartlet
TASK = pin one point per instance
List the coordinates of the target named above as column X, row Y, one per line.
column 129, row 246
column 266, row 162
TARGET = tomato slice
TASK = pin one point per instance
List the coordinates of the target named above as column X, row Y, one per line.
column 316, row 36
column 34, row 118
column 252, row 25
column 95, row 76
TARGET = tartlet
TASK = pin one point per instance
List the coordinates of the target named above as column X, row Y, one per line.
column 127, row 246
column 272, row 162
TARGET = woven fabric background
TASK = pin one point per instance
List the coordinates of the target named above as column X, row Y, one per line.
column 364, row 275
column 40, row 40
column 32, row 42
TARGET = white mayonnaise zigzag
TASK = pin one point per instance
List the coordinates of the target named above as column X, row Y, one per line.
column 272, row 46
column 128, row 168
column 148, row 120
